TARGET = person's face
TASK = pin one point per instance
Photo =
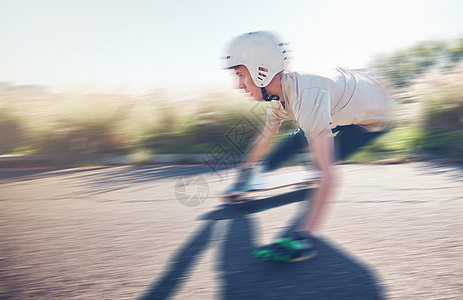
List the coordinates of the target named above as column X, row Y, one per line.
column 246, row 83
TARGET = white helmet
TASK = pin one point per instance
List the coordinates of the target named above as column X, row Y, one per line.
column 261, row 52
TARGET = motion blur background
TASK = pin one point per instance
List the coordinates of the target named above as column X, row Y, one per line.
column 145, row 78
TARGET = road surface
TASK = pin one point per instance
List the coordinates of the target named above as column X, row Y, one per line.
column 128, row 232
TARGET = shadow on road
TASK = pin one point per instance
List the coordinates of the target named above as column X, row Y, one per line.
column 333, row 274
column 135, row 174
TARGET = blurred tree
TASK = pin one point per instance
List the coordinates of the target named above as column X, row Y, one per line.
column 403, row 65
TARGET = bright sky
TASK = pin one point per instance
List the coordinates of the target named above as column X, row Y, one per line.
column 143, row 44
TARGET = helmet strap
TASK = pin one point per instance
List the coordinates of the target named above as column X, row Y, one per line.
column 266, row 97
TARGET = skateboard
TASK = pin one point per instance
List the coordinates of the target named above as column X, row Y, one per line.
column 268, row 182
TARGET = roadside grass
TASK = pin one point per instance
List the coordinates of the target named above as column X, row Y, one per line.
column 401, row 142
column 71, row 124
column 162, row 123
column 436, row 127
column 81, row 124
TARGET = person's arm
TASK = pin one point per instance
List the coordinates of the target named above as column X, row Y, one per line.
column 322, row 150
column 261, row 147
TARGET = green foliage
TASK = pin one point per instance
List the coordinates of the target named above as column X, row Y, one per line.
column 401, row 66
column 159, row 123
column 12, row 131
column 443, row 123
column 443, row 144
column 440, row 127
column 444, row 111
column 69, row 124
column 400, row 141
column 80, row 137
column 198, row 133
column 455, row 51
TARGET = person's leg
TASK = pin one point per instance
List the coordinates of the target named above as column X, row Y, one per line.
column 299, row 245
column 348, row 140
column 351, row 138
column 292, row 144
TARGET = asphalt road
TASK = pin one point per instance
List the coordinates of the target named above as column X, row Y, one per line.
column 392, row 232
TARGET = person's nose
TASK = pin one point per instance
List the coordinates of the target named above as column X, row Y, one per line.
column 241, row 85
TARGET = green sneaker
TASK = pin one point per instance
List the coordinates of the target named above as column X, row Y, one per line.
column 296, row 246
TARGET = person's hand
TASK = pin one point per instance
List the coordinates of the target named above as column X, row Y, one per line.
column 244, row 173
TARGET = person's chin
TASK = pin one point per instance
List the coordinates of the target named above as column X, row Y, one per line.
column 257, row 98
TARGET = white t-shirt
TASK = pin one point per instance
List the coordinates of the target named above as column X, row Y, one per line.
column 340, row 97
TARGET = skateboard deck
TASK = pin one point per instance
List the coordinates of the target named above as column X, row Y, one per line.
column 272, row 182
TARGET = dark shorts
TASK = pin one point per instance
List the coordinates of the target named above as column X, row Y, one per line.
column 347, row 140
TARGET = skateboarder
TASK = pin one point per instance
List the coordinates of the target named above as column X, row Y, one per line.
column 337, row 113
